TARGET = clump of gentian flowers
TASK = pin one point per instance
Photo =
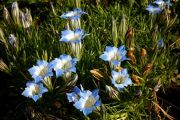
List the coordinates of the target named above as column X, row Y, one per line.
column 19, row 18
column 120, row 77
column 76, row 34
column 43, row 71
column 84, row 100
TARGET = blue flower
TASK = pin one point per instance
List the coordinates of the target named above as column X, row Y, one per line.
column 40, row 71
column 75, row 14
column 88, row 101
column 84, row 100
column 72, row 36
column 167, row 3
column 160, row 43
column 12, row 40
column 162, row 3
column 34, row 90
column 159, row 2
column 121, row 79
column 153, row 9
column 63, row 64
column 114, row 55
column 75, row 95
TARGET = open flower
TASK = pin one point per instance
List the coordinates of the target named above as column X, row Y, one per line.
column 167, row 3
column 75, row 95
column 63, row 64
column 159, row 2
column 40, row 71
column 34, row 90
column 75, row 14
column 114, row 55
column 84, row 100
column 162, row 3
column 72, row 36
column 153, row 9
column 88, row 101
column 121, row 79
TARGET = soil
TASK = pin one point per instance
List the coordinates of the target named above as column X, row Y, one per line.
column 171, row 98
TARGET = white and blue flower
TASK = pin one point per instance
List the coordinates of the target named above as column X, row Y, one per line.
column 167, row 3
column 75, row 14
column 153, row 9
column 40, row 71
column 34, row 90
column 75, row 95
column 84, row 100
column 72, row 36
column 121, row 79
column 159, row 2
column 63, row 64
column 162, row 3
column 88, row 101
column 114, row 55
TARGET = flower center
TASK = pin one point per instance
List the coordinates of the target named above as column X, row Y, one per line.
column 35, row 89
column 90, row 102
column 115, row 56
column 76, row 37
column 43, row 70
column 66, row 65
column 120, row 79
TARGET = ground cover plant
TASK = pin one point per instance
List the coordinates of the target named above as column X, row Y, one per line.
column 81, row 59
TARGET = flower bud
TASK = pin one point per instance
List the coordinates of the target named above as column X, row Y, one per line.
column 160, row 43
column 147, row 69
column 73, row 80
column 138, row 93
column 130, row 38
column 97, row 74
column 25, row 18
column 4, row 67
column 123, row 27
column 114, row 32
column 143, row 53
column 12, row 40
column 15, row 13
column 28, row 19
column 131, row 2
column 2, row 39
column 52, row 7
column 136, row 79
column 7, row 16
column 22, row 18
column 114, row 94
column 131, row 55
